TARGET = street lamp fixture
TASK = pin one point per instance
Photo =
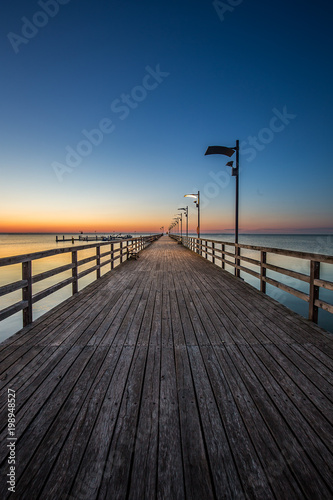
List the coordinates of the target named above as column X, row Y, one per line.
column 181, row 223
column 176, row 219
column 222, row 150
column 186, row 215
column 197, row 202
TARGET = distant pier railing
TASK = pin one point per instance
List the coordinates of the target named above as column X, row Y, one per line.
column 119, row 250
column 215, row 251
column 95, row 237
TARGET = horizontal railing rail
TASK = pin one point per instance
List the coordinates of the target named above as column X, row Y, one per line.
column 118, row 251
column 215, row 251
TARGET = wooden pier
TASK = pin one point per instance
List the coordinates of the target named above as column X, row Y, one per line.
column 168, row 378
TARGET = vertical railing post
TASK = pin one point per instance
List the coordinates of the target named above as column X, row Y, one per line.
column 112, row 256
column 213, row 252
column 237, row 260
column 27, row 292
column 121, row 252
column 98, row 262
column 206, row 249
column 314, row 291
column 223, row 256
column 262, row 272
column 74, row 272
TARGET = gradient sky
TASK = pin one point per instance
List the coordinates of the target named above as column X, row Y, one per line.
column 162, row 81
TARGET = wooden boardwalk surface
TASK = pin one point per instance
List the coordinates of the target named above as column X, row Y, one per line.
column 170, row 379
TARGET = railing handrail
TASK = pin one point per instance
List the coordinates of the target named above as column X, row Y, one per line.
column 28, row 279
column 18, row 259
column 200, row 246
column 281, row 251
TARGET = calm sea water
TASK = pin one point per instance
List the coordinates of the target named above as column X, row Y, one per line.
column 16, row 244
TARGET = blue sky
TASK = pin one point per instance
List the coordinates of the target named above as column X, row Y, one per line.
column 187, row 75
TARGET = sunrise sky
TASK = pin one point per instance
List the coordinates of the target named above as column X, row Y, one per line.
column 107, row 109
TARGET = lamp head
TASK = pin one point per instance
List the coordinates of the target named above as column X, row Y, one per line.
column 219, row 150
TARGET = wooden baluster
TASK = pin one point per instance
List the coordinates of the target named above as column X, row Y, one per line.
column 213, row 252
column 314, row 291
column 223, row 256
column 237, row 260
column 27, row 292
column 74, row 272
column 98, row 262
column 263, row 257
column 112, row 256
column 121, row 252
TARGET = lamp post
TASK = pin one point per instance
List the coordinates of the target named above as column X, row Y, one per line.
column 186, row 215
column 222, row 150
column 176, row 219
column 181, row 224
column 197, row 202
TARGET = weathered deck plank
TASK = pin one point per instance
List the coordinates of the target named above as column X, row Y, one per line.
column 169, row 378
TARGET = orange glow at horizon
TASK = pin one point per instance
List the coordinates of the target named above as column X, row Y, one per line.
column 147, row 223
column 76, row 228
column 49, row 225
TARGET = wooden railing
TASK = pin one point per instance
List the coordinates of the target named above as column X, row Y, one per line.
column 216, row 252
column 117, row 251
